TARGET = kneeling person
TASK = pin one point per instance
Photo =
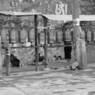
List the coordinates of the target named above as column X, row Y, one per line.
column 15, row 62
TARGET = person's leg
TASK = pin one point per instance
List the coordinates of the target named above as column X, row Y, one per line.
column 68, row 50
column 68, row 53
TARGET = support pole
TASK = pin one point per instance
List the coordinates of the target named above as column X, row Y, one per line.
column 80, row 49
column 7, row 54
column 45, row 44
column 36, row 42
column 1, row 59
column 7, row 61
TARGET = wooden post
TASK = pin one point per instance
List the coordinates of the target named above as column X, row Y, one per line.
column 80, row 49
column 1, row 60
column 7, row 54
column 7, row 61
column 48, row 36
column 36, row 42
column 9, row 32
column 45, row 44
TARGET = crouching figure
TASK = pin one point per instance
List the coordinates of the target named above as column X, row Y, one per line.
column 75, row 66
column 15, row 62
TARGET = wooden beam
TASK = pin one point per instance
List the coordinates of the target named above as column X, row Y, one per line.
column 1, row 59
column 45, row 44
column 50, row 16
column 36, row 42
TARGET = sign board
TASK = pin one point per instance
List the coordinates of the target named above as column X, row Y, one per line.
column 61, row 8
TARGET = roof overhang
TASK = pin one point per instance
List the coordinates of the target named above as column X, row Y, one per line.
column 70, row 18
column 18, row 13
column 50, row 17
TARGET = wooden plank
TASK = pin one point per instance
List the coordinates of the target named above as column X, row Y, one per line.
column 45, row 46
column 36, row 42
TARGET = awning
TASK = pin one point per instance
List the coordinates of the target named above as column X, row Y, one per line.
column 51, row 17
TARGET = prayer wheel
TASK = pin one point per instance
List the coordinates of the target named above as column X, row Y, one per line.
column 68, row 36
column 48, row 37
column 31, row 35
column 89, row 35
column 52, row 35
column 14, row 36
column 94, row 36
column 23, row 36
column 4, row 37
column 59, row 36
column 42, row 38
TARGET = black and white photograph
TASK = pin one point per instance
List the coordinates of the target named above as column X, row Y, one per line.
column 47, row 47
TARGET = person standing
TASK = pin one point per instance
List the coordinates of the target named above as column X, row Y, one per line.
column 80, row 52
column 68, row 46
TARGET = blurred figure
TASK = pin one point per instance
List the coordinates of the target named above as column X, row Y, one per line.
column 15, row 62
column 68, row 45
column 80, row 61
column 41, row 58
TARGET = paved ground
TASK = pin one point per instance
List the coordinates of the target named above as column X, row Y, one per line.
column 59, row 82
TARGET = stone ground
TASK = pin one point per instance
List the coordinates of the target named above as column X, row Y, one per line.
column 54, row 82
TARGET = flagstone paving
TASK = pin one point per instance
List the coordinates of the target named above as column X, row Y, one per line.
column 64, row 82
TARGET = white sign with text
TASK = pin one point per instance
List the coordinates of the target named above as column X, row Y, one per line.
column 61, row 8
